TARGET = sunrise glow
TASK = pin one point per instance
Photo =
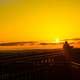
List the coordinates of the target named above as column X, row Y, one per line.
column 39, row 20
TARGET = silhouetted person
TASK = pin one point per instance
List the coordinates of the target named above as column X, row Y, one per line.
column 67, row 52
column 67, row 55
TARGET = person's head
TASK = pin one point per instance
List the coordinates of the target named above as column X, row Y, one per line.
column 66, row 42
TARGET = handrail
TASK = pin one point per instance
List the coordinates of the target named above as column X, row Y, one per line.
column 76, row 63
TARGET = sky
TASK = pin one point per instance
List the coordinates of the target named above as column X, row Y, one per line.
column 39, row 20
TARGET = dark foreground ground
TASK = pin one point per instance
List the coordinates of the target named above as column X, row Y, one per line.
column 38, row 65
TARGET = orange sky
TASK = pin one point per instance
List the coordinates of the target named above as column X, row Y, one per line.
column 39, row 20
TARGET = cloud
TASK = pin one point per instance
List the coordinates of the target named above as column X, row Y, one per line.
column 75, row 39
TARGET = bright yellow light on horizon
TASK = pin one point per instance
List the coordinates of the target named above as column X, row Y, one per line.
column 57, row 40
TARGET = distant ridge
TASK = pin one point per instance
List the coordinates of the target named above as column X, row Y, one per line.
column 15, row 43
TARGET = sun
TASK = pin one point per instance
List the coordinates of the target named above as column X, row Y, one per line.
column 57, row 40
